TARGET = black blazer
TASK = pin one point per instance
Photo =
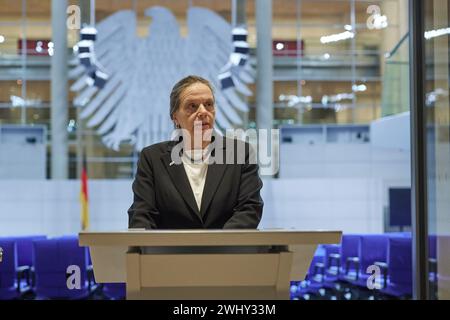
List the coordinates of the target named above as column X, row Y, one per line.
column 163, row 197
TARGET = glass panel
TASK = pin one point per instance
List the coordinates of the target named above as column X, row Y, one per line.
column 343, row 165
column 437, row 19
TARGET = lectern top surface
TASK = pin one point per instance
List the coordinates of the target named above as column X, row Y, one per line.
column 210, row 237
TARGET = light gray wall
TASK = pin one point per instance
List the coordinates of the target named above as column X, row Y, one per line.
column 329, row 160
column 53, row 207
column 20, row 157
column 392, row 132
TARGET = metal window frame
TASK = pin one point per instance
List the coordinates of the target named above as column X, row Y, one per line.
column 419, row 196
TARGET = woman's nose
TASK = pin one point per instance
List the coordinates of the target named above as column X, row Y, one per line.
column 201, row 110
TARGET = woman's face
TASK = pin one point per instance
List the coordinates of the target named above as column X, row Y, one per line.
column 196, row 112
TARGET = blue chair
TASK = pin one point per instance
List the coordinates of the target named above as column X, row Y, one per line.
column 92, row 285
column 25, row 249
column 114, row 291
column 9, row 284
column 313, row 279
column 337, row 263
column 324, row 273
column 372, row 251
column 432, row 257
column 25, row 256
column 432, row 265
column 406, row 234
column 51, row 259
column 399, row 265
column 342, row 265
column 345, row 262
column 331, row 271
column 111, row 291
column 90, row 272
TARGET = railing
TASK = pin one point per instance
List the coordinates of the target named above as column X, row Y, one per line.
column 395, row 93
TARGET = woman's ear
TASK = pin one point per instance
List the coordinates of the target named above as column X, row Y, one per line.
column 175, row 122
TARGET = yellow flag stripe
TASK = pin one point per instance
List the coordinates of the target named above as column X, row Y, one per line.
column 84, row 212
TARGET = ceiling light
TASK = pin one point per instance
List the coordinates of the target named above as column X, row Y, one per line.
column 337, row 37
column 359, row 88
column 279, row 46
column 436, row 33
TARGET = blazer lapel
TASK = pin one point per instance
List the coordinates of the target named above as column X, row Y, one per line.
column 213, row 178
column 181, row 182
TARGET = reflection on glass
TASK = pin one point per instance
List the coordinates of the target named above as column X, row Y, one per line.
column 438, row 144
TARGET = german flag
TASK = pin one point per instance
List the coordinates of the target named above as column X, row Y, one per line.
column 84, row 199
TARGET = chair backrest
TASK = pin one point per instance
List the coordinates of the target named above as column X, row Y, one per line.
column 399, row 234
column 8, row 265
column 72, row 253
column 400, row 260
column 349, row 247
column 73, row 239
column 330, row 249
column 51, row 258
column 432, row 246
column 25, row 249
column 373, row 247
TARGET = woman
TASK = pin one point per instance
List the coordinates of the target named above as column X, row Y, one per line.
column 177, row 186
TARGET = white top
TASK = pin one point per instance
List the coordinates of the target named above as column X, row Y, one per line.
column 196, row 172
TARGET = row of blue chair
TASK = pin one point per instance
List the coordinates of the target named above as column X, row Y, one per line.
column 36, row 267
column 16, row 269
column 342, row 271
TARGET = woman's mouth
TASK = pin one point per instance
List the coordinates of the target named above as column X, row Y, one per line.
column 203, row 126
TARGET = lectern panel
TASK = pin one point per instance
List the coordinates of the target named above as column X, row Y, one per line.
column 109, row 263
column 208, row 270
column 168, row 238
column 303, row 255
column 204, row 264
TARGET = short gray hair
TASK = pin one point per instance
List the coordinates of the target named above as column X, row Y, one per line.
column 179, row 87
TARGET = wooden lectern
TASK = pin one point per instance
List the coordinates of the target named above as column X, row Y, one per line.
column 204, row 264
